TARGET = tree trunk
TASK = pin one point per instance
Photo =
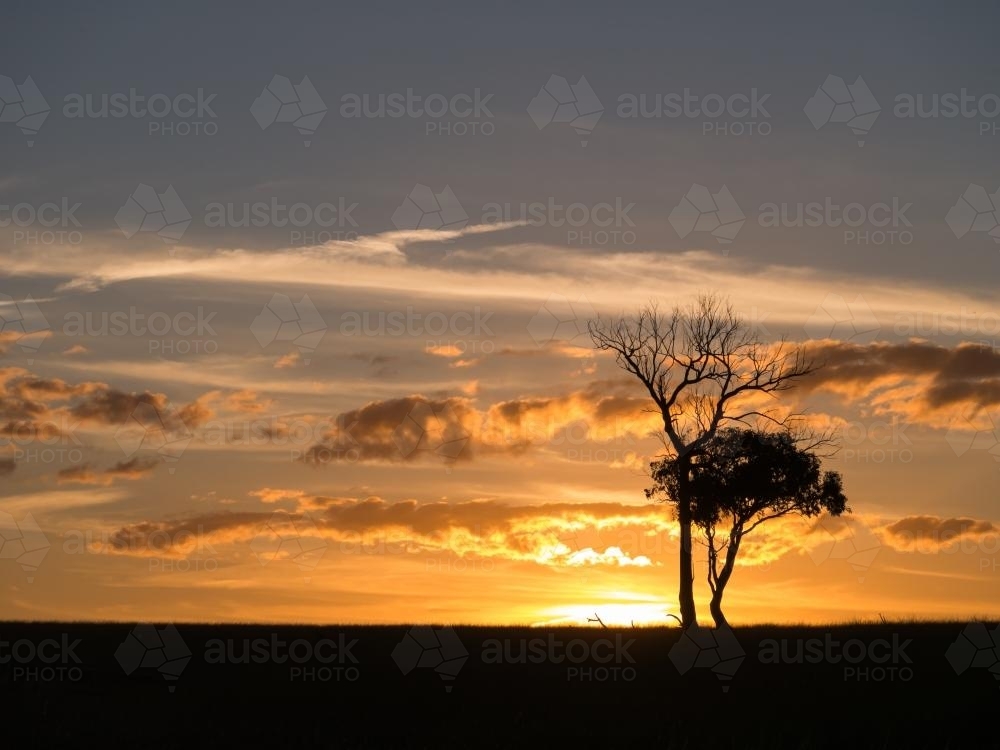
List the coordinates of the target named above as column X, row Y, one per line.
column 685, row 594
column 715, row 606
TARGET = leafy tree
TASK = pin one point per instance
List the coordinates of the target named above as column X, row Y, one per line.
column 740, row 479
column 704, row 368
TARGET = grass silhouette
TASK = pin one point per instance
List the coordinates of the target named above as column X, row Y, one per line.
column 510, row 689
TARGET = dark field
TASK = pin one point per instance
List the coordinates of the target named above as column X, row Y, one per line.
column 344, row 694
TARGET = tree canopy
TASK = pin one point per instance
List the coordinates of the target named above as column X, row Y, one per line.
column 740, row 479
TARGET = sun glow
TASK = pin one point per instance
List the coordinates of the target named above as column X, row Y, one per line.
column 640, row 613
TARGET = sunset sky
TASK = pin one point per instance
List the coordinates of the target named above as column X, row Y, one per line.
column 441, row 271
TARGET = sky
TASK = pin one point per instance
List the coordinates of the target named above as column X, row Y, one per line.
column 295, row 303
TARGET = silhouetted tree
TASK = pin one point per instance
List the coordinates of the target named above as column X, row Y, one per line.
column 700, row 363
column 740, row 479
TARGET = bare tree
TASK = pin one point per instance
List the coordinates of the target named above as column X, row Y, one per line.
column 703, row 367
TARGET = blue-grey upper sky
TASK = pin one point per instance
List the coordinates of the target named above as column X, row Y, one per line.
column 507, row 52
